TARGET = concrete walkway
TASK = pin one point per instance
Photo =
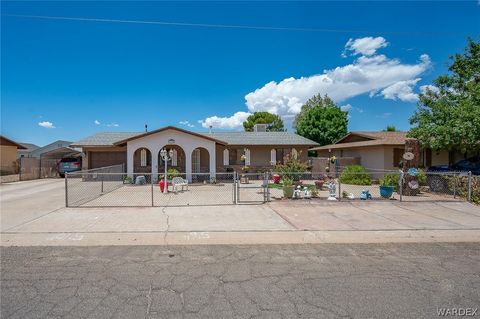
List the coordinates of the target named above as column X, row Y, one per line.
column 32, row 214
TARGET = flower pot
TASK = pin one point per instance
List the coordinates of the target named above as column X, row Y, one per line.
column 319, row 184
column 276, row 179
column 386, row 191
column 288, row 191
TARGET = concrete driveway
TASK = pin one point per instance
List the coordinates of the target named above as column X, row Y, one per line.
column 32, row 213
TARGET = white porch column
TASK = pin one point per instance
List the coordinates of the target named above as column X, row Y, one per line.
column 213, row 162
column 188, row 163
column 154, row 153
column 130, row 153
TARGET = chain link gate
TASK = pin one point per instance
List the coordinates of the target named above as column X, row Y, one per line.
column 251, row 188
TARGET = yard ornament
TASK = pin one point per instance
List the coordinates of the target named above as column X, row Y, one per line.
column 297, row 194
column 365, row 194
column 332, row 190
column 306, row 193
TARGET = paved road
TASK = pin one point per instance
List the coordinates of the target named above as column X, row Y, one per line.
column 307, row 281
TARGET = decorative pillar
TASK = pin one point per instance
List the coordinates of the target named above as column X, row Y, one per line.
column 188, row 163
column 154, row 154
column 130, row 153
column 412, row 145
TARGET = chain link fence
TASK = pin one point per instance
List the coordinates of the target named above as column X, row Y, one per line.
column 111, row 187
column 106, row 188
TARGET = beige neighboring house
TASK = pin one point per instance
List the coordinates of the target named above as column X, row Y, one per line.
column 193, row 152
column 382, row 150
column 8, row 155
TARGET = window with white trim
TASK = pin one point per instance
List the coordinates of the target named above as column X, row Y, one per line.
column 143, row 157
column 226, row 157
column 273, row 156
column 174, row 157
column 247, row 157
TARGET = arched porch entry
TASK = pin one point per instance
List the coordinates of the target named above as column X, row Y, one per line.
column 142, row 160
column 200, row 165
column 177, row 162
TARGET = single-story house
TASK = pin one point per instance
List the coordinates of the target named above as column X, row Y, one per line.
column 38, row 152
column 382, row 150
column 193, row 152
column 29, row 147
column 8, row 155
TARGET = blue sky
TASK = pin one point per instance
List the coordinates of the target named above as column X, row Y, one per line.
column 66, row 79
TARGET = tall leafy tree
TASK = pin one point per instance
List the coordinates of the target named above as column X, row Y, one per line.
column 321, row 120
column 274, row 121
column 448, row 114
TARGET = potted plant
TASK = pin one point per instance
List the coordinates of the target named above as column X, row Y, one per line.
column 287, row 187
column 319, row 182
column 388, row 185
column 276, row 178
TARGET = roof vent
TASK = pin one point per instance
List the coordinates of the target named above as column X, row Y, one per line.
column 260, row 127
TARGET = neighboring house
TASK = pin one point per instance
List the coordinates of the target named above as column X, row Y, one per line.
column 37, row 153
column 192, row 152
column 28, row 149
column 8, row 155
column 382, row 150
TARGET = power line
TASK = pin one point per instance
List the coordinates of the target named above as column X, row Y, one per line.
column 228, row 26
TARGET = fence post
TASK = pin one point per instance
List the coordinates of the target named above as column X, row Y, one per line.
column 151, row 182
column 267, row 175
column 339, row 186
column 455, row 185
column 400, row 184
column 469, row 196
column 102, row 185
column 66, row 189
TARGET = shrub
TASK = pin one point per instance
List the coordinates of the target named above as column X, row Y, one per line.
column 390, row 179
column 461, row 186
column 421, row 177
column 355, row 175
column 292, row 168
column 172, row 172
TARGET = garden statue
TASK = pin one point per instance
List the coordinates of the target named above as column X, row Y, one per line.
column 332, row 191
column 365, row 194
column 297, row 194
column 306, row 193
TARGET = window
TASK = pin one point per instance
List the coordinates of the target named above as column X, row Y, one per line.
column 226, row 159
column 281, row 153
column 247, row 157
column 273, row 156
column 143, row 157
column 174, row 158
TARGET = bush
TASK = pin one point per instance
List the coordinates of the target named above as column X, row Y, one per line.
column 390, row 179
column 461, row 186
column 291, row 168
column 355, row 175
column 172, row 172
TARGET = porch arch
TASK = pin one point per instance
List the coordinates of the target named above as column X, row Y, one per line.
column 177, row 162
column 142, row 160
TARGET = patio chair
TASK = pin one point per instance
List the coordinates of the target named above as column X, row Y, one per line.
column 178, row 181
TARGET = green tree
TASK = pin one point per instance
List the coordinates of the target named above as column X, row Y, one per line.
column 390, row 128
column 448, row 114
column 321, row 120
column 275, row 123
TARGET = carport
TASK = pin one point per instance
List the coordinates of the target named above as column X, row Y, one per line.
column 46, row 165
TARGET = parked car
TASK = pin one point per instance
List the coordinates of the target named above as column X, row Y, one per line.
column 69, row 164
column 438, row 183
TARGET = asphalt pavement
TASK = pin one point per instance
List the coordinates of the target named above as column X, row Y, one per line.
column 287, row 281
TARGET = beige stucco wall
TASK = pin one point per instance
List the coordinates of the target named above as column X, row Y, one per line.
column 8, row 155
column 439, row 158
column 259, row 155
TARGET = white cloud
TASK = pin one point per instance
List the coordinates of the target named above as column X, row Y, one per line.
column 112, row 125
column 232, row 122
column 97, row 122
column 365, row 46
column 46, row 124
column 187, row 123
column 401, row 90
column 346, row 108
column 425, row 88
column 364, row 75
column 370, row 73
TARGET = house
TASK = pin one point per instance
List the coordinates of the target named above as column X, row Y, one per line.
column 38, row 153
column 382, row 150
column 8, row 155
column 29, row 147
column 193, row 152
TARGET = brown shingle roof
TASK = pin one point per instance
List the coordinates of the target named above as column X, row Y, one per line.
column 371, row 139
